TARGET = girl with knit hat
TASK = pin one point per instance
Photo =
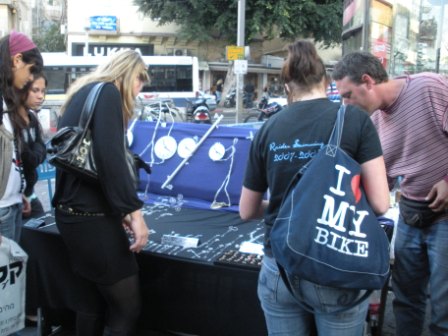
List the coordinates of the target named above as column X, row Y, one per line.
column 19, row 60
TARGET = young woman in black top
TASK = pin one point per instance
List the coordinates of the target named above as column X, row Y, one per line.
column 33, row 151
column 91, row 216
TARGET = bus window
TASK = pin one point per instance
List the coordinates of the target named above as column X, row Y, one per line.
column 56, row 80
column 170, row 78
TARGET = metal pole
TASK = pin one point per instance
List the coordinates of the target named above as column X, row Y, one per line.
column 439, row 35
column 166, row 184
column 366, row 27
column 86, row 44
column 240, row 43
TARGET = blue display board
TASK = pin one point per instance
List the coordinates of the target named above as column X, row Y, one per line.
column 211, row 178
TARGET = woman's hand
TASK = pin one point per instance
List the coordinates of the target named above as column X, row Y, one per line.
column 26, row 210
column 135, row 225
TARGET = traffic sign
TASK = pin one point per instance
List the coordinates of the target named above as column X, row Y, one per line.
column 240, row 67
column 234, row 53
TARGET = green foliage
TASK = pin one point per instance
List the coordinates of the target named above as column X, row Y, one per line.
column 49, row 38
column 205, row 20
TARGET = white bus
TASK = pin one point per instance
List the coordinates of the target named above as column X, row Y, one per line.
column 172, row 77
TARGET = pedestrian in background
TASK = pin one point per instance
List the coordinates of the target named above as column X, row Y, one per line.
column 411, row 116
column 219, row 87
column 309, row 119
column 33, row 151
column 90, row 216
column 19, row 60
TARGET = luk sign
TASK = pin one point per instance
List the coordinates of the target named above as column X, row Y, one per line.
column 101, row 49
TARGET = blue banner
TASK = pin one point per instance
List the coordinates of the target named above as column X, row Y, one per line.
column 104, row 22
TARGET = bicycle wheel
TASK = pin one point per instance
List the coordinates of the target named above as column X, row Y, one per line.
column 252, row 117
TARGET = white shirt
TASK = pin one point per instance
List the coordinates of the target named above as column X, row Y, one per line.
column 12, row 193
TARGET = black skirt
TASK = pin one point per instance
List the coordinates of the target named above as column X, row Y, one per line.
column 98, row 247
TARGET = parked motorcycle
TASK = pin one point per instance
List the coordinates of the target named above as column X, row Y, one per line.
column 230, row 100
column 198, row 111
column 261, row 114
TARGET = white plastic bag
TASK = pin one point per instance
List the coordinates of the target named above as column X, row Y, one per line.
column 12, row 286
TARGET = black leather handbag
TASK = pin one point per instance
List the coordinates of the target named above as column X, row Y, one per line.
column 71, row 148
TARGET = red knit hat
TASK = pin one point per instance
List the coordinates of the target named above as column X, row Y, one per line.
column 19, row 42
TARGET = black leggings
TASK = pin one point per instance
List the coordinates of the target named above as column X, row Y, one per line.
column 123, row 304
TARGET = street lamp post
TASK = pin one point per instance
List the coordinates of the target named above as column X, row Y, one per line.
column 86, row 43
column 439, row 35
column 240, row 43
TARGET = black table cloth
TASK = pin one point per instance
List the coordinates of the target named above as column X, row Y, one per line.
column 184, row 289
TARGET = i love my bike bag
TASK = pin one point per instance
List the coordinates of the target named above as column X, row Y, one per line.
column 326, row 231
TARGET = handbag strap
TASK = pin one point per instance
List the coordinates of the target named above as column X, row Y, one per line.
column 89, row 106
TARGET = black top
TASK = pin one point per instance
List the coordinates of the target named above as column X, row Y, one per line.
column 290, row 138
column 33, row 152
column 116, row 193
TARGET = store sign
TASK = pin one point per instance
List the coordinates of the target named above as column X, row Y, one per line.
column 106, row 49
column 353, row 15
column 103, row 23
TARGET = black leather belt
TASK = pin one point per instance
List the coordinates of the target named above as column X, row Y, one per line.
column 74, row 212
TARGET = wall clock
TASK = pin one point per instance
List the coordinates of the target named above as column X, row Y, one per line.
column 165, row 147
column 217, row 151
column 186, row 147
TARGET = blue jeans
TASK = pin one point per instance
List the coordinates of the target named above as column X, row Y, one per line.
column 11, row 221
column 421, row 258
column 284, row 316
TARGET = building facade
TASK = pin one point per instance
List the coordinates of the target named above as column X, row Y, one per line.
column 17, row 15
column 103, row 26
column 409, row 36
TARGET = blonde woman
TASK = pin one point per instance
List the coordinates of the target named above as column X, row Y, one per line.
column 89, row 216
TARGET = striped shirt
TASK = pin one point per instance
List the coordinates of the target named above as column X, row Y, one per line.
column 414, row 134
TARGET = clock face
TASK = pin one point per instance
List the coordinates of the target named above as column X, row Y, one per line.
column 165, row 147
column 217, row 151
column 186, row 147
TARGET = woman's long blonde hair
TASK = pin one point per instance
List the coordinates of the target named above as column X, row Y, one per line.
column 121, row 69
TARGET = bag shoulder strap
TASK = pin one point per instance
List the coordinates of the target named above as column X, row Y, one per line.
column 89, row 105
column 336, row 134
column 333, row 142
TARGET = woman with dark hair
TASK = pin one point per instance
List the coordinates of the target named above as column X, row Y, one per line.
column 33, row 151
column 19, row 61
column 301, row 129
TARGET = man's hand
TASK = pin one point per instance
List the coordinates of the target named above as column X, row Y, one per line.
column 438, row 195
